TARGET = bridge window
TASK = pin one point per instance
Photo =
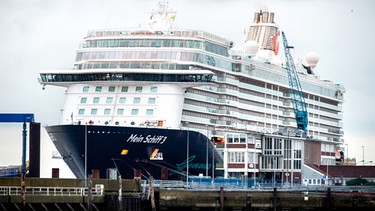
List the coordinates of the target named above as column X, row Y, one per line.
column 134, row 112
column 81, row 111
column 138, row 89
column 107, row 111
column 120, row 111
column 137, row 100
column 111, row 89
column 154, row 89
column 95, row 100
column 122, row 100
column 83, row 99
column 85, row 89
column 98, row 89
column 149, row 112
column 151, row 100
column 109, row 100
column 124, row 89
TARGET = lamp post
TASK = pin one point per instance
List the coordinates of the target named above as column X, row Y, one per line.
column 347, row 152
column 187, row 154
column 207, row 151
column 287, row 158
column 363, row 155
column 86, row 155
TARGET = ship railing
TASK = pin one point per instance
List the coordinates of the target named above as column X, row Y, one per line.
column 149, row 32
column 98, row 190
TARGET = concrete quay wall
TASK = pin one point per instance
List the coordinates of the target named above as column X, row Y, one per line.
column 105, row 194
column 278, row 199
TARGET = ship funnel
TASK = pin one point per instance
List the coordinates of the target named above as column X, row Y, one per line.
column 265, row 17
column 272, row 16
column 256, row 17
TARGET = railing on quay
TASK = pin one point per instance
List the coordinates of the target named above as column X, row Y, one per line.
column 240, row 184
column 98, row 190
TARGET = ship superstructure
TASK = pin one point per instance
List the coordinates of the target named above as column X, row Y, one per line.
column 160, row 80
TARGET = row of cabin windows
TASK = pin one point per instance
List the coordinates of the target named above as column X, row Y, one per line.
column 153, row 89
column 120, row 111
column 122, row 100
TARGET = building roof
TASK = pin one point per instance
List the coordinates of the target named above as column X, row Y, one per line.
column 345, row 171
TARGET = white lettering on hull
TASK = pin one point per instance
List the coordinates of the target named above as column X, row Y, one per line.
column 149, row 139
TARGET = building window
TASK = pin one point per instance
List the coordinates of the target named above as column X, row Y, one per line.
column 120, row 111
column 107, row 111
column 137, row 100
column 111, row 89
column 151, row 100
column 236, row 138
column 95, row 100
column 98, row 89
column 85, row 89
column 242, row 138
column 154, row 89
column 122, row 100
column 83, row 99
column 230, row 138
column 134, row 112
column 81, row 111
column 236, row 157
column 149, row 112
column 124, row 89
column 94, row 111
column 109, row 100
column 138, row 89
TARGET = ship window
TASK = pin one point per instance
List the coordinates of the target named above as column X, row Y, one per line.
column 120, row 111
column 109, row 100
column 124, row 89
column 94, row 111
column 134, row 111
column 122, row 100
column 149, row 112
column 98, row 89
column 83, row 100
column 137, row 100
column 154, row 89
column 85, row 89
column 107, row 111
column 95, row 100
column 111, row 89
column 138, row 89
column 151, row 100
column 81, row 111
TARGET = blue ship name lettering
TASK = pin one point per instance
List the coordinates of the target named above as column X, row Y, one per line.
column 183, row 165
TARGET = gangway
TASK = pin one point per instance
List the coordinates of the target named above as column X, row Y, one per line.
column 17, row 118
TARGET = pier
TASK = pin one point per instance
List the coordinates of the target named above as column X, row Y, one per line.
column 137, row 195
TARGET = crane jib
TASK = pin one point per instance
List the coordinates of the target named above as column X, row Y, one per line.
column 297, row 96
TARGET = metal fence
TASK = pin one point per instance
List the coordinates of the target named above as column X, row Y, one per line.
column 202, row 183
column 98, row 190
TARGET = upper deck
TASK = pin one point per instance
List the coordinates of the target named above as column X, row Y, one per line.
column 146, row 32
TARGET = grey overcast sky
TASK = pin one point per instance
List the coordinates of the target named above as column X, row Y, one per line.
column 44, row 34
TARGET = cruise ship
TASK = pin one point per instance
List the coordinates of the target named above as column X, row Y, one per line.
column 162, row 101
